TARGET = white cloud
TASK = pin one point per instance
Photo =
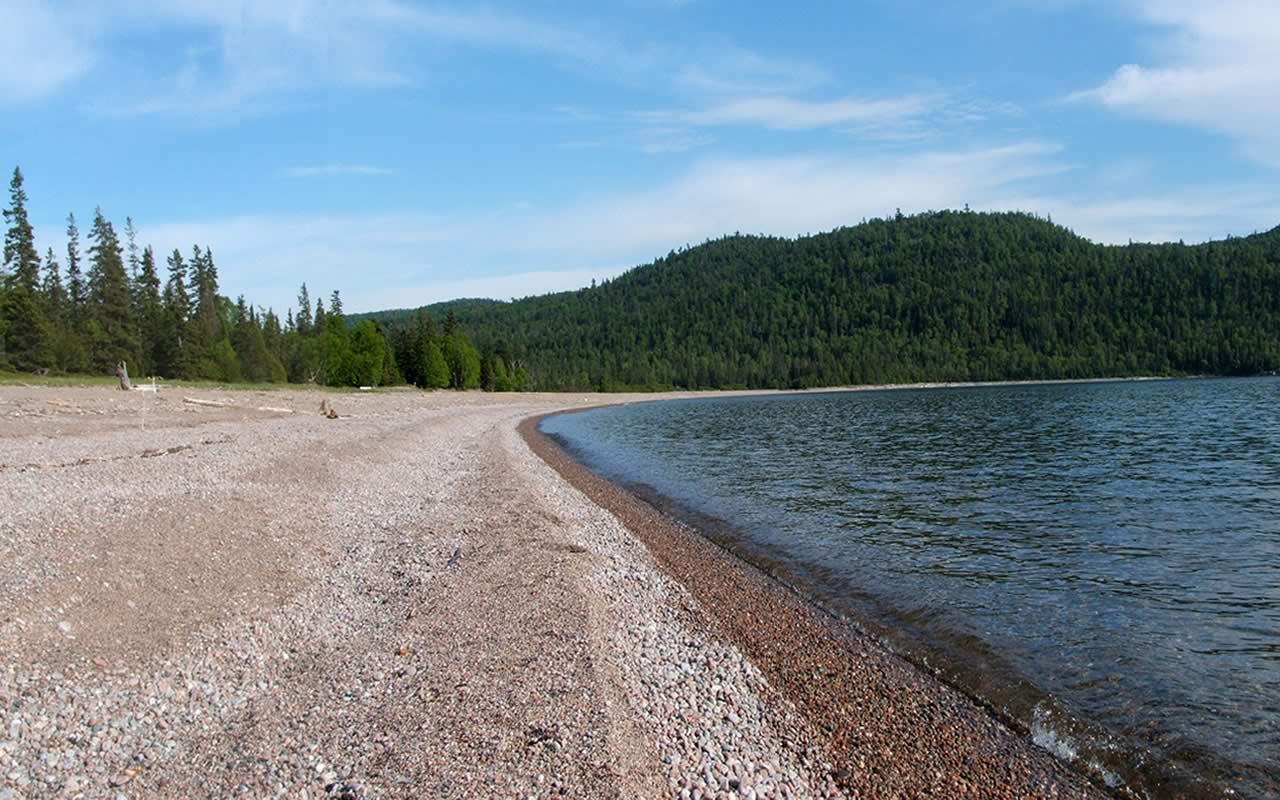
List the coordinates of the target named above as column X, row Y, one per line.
column 728, row 70
column 786, row 113
column 249, row 56
column 1219, row 69
column 337, row 170
column 409, row 259
column 39, row 52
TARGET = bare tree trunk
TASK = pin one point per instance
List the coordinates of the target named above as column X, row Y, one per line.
column 122, row 372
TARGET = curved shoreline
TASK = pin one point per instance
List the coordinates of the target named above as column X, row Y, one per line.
column 890, row 729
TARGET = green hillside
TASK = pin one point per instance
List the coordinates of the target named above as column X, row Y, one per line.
column 947, row 296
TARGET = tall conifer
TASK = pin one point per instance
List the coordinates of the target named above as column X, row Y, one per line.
column 114, row 338
column 27, row 335
column 77, row 292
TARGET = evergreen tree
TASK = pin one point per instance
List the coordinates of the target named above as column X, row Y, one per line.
column 435, row 371
column 335, row 304
column 149, row 312
column 486, row 372
column 68, row 350
column 77, row 292
column 337, row 351
column 55, row 295
column 365, row 355
column 390, row 368
column 112, row 338
column 131, row 249
column 172, row 353
column 209, row 329
column 302, row 323
column 256, row 363
column 27, row 335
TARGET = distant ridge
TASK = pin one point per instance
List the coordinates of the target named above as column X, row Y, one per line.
column 940, row 296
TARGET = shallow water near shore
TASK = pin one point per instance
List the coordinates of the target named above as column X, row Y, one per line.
column 1098, row 562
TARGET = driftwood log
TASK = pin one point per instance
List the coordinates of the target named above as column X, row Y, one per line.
column 193, row 401
column 122, row 372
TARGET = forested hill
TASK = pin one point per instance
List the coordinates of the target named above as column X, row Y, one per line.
column 947, row 296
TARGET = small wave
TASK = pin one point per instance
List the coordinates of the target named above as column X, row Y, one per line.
column 1046, row 736
column 1049, row 736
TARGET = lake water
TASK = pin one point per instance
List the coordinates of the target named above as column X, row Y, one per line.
column 1100, row 562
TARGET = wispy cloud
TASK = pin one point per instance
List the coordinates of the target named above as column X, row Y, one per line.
column 337, row 170
column 408, row 259
column 787, row 113
column 39, row 52
column 1220, row 70
column 248, row 54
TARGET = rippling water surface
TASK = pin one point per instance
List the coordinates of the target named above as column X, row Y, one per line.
column 1101, row 562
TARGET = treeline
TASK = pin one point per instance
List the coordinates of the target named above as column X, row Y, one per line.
column 110, row 304
column 945, row 296
column 433, row 361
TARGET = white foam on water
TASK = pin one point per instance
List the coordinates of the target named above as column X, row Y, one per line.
column 1044, row 735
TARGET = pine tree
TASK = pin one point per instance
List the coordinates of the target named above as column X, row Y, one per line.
column 77, row 292
column 335, row 304
column 302, row 323
column 131, row 247
column 68, row 351
column 149, row 311
column 27, row 336
column 208, row 329
column 172, row 354
column 55, row 295
column 113, row 338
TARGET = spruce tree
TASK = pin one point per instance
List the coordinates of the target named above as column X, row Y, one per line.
column 172, row 353
column 131, row 248
column 27, row 337
column 68, row 352
column 113, row 338
column 302, row 323
column 208, row 329
column 149, row 311
column 77, row 292
column 55, row 295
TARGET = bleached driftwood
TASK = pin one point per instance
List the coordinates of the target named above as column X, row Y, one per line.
column 122, row 372
column 217, row 404
column 197, row 402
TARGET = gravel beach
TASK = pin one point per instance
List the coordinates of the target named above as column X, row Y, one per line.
column 242, row 597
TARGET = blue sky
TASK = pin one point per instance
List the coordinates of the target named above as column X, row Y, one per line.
column 409, row 152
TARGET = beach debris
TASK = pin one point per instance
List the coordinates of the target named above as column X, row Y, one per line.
column 122, row 372
column 543, row 736
column 168, row 451
column 327, row 410
column 195, row 401
column 344, row 791
column 455, row 558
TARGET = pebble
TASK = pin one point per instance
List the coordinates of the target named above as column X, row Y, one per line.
column 120, row 725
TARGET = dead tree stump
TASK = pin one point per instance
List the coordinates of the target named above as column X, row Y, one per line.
column 122, row 372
